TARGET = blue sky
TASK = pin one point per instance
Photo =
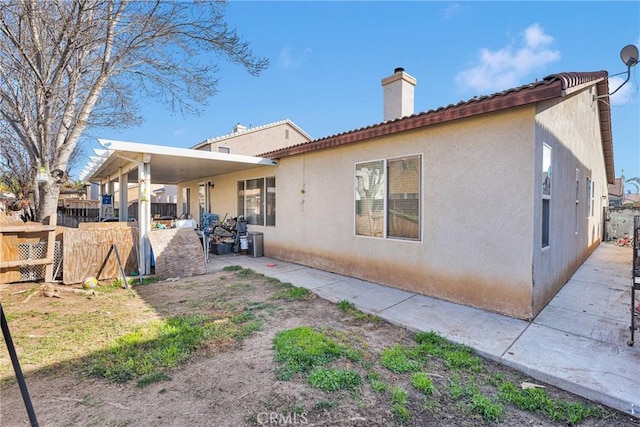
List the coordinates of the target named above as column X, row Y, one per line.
column 327, row 60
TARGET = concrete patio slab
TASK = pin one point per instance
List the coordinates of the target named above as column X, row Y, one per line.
column 489, row 334
column 599, row 371
column 309, row 278
column 368, row 297
column 592, row 298
column 609, row 330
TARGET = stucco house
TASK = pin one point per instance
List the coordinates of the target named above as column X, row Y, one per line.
column 492, row 202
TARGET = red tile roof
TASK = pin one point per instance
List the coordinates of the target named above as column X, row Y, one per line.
column 552, row 86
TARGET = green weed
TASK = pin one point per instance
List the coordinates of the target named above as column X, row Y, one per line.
column 348, row 307
column 294, row 293
column 399, row 360
column 299, row 350
column 488, row 410
column 153, row 377
column 401, row 412
column 423, row 383
column 538, row 400
column 399, row 395
column 334, row 379
column 455, row 356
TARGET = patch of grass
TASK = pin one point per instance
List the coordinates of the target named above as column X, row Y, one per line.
column 379, row 386
column 348, row 307
column 354, row 355
column 488, row 410
column 401, row 412
column 455, row 387
column 400, row 360
column 399, row 398
column 538, row 400
column 301, row 349
column 154, row 377
column 334, row 379
column 423, row 383
column 455, row 356
column 163, row 344
column 232, row 268
column 247, row 273
column 294, row 293
column 399, row 395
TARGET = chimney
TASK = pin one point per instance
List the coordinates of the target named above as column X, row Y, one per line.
column 239, row 128
column 397, row 91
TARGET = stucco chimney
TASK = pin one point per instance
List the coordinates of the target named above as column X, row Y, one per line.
column 397, row 91
column 239, row 128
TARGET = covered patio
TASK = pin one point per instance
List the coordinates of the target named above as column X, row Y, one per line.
column 123, row 162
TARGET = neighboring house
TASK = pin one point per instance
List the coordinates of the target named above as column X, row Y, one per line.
column 244, row 141
column 616, row 192
column 493, row 202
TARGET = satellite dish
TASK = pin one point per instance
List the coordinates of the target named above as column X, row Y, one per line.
column 629, row 55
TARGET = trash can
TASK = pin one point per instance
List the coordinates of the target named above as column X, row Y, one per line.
column 255, row 244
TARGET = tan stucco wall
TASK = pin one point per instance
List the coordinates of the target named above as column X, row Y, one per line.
column 253, row 142
column 572, row 129
column 480, row 241
column 475, row 246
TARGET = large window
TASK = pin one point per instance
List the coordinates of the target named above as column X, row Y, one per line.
column 546, row 193
column 387, row 194
column 257, row 201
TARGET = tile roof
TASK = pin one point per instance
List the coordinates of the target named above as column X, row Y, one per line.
column 552, row 86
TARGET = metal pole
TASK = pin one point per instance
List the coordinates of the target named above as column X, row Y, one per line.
column 16, row 368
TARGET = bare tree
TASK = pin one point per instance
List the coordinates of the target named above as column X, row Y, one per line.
column 67, row 66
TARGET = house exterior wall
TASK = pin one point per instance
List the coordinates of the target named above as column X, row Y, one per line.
column 252, row 142
column 572, row 129
column 476, row 213
column 481, row 206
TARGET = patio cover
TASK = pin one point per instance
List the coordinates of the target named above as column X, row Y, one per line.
column 146, row 164
column 169, row 165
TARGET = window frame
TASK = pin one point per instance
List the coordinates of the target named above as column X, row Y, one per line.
column 385, row 188
column 547, row 191
column 267, row 203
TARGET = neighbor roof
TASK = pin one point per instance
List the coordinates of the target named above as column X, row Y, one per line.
column 552, row 86
column 250, row 130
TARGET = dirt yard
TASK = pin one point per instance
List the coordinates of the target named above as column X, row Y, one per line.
column 233, row 382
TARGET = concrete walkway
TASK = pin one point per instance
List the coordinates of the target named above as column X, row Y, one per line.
column 578, row 342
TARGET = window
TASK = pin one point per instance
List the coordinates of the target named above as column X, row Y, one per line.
column 257, row 201
column 590, row 197
column 186, row 201
column 388, row 198
column 577, row 215
column 224, row 149
column 546, row 193
column 203, row 200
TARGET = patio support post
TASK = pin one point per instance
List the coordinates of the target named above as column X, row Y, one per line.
column 144, row 214
column 123, row 184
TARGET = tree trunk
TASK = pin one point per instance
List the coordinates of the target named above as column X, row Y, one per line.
column 48, row 200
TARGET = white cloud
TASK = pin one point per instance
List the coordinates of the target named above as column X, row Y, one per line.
column 505, row 68
column 624, row 94
column 289, row 59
